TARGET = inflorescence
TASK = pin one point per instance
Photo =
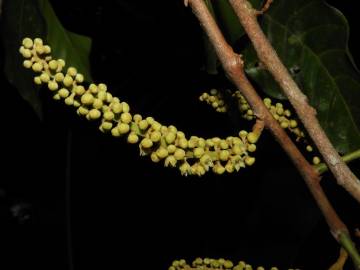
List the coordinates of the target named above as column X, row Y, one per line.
column 212, row 264
column 191, row 155
column 216, row 99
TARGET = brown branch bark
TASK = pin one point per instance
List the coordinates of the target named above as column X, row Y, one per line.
column 233, row 66
column 307, row 114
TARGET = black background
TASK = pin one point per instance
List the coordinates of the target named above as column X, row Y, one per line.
column 125, row 210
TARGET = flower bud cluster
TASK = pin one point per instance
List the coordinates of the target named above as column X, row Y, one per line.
column 212, row 264
column 281, row 114
column 191, row 155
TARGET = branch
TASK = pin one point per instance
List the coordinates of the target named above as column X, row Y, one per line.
column 307, row 114
column 321, row 168
column 233, row 66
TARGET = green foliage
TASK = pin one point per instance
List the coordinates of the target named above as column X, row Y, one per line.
column 71, row 47
column 37, row 18
column 228, row 21
column 21, row 18
column 311, row 39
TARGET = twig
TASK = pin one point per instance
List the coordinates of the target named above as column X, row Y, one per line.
column 340, row 262
column 321, row 168
column 306, row 113
column 233, row 66
column 264, row 8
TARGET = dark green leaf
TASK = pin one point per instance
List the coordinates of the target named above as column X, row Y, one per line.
column 71, row 47
column 311, row 39
column 230, row 26
column 228, row 21
column 36, row 18
column 21, row 18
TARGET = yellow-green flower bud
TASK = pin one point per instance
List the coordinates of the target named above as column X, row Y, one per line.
column 37, row 80
column 249, row 160
column 79, row 78
column 39, row 49
column 229, row 167
column 146, row 143
column 143, row 124
column 183, row 143
column 27, row 64
column 224, row 145
column 56, row 96
column 198, row 152
column 26, row 53
column 82, row 111
column 61, row 63
column 97, row 104
column 228, row 264
column 224, row 155
column 69, row 100
column 93, row 88
column 218, row 169
column 243, row 133
column 53, row 64
column 170, row 161
column 116, row 107
column 109, row 116
column 125, row 107
column 155, row 136
column 71, row 71
column 94, row 114
column 171, row 148
column 170, row 137
column 162, row 152
column 316, row 160
column 293, row 123
column 27, row 43
column 123, row 128
column 133, row 138
column 38, row 41
column 63, row 93
column 252, row 137
column 67, row 81
column 79, row 90
column 251, row 147
column 154, row 157
column 137, row 117
column 126, row 117
column 87, row 99
column 284, row 124
column 185, row 168
column 59, row 77
column 156, row 126
column 115, row 132
column 53, row 86
column 102, row 87
column 37, row 67
column 179, row 154
column 47, row 49
column 106, row 125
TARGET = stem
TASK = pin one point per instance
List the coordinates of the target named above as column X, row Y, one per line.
column 321, row 168
column 68, row 199
column 350, row 248
column 267, row 55
column 233, row 66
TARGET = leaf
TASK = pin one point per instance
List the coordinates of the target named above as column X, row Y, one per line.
column 228, row 21
column 311, row 38
column 71, row 47
column 231, row 28
column 21, row 18
column 36, row 18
